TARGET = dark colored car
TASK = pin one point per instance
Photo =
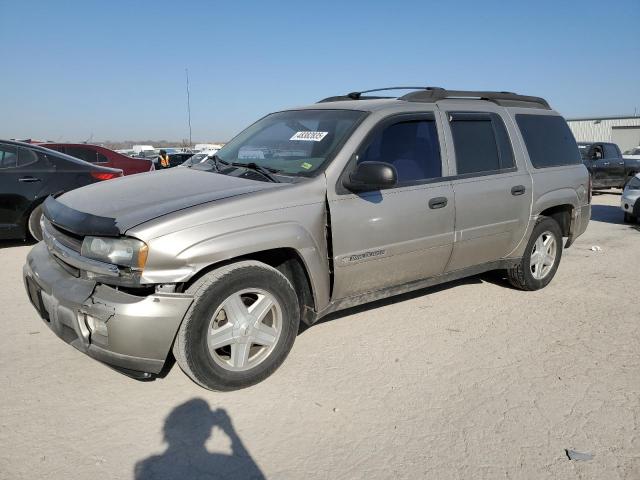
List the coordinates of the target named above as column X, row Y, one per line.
column 607, row 166
column 103, row 156
column 176, row 159
column 29, row 174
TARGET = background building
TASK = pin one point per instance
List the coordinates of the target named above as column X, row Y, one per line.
column 624, row 131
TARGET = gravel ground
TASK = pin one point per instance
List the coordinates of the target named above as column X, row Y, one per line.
column 468, row 380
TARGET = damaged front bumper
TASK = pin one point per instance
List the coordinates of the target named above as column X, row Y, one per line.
column 125, row 331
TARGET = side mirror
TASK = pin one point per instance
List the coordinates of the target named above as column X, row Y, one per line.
column 371, row 176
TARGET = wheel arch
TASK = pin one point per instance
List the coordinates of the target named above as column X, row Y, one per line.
column 287, row 261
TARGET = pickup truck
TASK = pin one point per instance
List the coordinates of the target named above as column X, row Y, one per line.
column 308, row 211
column 606, row 164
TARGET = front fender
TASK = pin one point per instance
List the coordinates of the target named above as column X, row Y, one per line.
column 186, row 261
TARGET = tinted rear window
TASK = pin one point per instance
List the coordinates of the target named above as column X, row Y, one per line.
column 549, row 141
column 82, row 153
column 611, row 151
column 481, row 142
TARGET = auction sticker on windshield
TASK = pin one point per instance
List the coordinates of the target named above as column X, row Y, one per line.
column 309, row 136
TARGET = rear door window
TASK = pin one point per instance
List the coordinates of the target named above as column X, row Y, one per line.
column 8, row 156
column 611, row 151
column 26, row 156
column 481, row 142
column 549, row 140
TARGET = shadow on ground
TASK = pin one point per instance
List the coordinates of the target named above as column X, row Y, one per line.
column 186, row 430
column 16, row 243
column 610, row 214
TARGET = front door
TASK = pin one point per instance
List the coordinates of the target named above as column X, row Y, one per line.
column 394, row 236
column 492, row 191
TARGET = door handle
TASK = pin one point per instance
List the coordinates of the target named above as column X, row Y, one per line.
column 28, row 179
column 620, row 163
column 437, row 202
column 606, row 164
column 518, row 190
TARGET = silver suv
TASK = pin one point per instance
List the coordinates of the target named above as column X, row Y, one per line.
column 307, row 211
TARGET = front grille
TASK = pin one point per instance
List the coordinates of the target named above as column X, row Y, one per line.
column 66, row 238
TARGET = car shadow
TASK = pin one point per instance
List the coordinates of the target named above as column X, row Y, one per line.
column 16, row 243
column 497, row 277
column 186, row 431
column 610, row 214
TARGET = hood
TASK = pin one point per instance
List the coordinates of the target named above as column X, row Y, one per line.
column 135, row 199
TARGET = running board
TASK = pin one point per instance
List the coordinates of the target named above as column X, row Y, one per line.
column 368, row 297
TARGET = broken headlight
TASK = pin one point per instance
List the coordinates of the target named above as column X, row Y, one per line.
column 125, row 252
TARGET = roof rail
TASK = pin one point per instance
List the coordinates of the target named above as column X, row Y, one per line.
column 433, row 94
column 507, row 99
column 358, row 95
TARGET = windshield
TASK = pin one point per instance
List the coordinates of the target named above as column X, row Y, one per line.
column 633, row 151
column 634, row 183
column 292, row 142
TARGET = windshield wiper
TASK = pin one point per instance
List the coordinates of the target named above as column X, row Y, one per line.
column 264, row 171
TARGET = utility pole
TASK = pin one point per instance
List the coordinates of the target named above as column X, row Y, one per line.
column 188, row 105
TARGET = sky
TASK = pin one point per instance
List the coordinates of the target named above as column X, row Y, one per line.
column 115, row 70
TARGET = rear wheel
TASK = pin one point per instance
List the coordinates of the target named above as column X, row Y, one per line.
column 240, row 328
column 34, row 223
column 541, row 257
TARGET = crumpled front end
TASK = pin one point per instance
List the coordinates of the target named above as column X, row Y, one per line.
column 118, row 328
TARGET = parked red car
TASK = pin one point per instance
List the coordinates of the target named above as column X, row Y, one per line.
column 103, row 156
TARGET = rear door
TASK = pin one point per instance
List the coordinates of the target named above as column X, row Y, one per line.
column 492, row 190
column 24, row 173
column 614, row 164
column 390, row 237
column 599, row 166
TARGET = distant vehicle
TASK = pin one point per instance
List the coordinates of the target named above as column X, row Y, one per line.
column 127, row 151
column 200, row 147
column 198, row 158
column 632, row 154
column 178, row 158
column 29, row 174
column 141, row 148
column 607, row 166
column 103, row 156
column 630, row 201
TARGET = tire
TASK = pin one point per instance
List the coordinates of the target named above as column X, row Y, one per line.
column 33, row 223
column 216, row 309
column 523, row 275
column 628, row 218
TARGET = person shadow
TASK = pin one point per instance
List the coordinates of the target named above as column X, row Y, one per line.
column 186, row 430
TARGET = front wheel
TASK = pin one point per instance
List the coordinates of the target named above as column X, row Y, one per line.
column 541, row 257
column 240, row 328
column 33, row 223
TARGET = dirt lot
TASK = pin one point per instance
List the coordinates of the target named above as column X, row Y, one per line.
column 470, row 380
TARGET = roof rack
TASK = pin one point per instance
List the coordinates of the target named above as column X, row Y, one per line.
column 358, row 95
column 433, row 94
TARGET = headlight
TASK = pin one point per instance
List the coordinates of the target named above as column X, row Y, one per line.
column 126, row 252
